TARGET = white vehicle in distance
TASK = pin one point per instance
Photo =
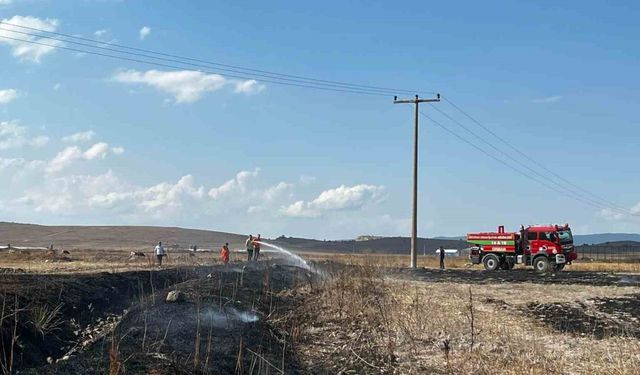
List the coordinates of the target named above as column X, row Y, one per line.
column 449, row 252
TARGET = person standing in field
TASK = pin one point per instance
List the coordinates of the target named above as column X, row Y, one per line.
column 256, row 248
column 224, row 254
column 160, row 252
column 249, row 246
column 442, row 253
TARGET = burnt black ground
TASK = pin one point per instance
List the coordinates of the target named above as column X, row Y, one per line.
column 233, row 305
column 83, row 299
column 479, row 276
column 597, row 317
column 160, row 338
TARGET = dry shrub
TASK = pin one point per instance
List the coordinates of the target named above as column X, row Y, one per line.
column 45, row 319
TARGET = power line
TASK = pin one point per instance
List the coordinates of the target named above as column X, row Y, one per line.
column 192, row 64
column 518, row 162
column 617, row 206
column 354, row 91
column 507, row 164
column 218, row 65
column 289, row 80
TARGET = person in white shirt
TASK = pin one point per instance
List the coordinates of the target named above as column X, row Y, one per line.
column 159, row 250
column 249, row 246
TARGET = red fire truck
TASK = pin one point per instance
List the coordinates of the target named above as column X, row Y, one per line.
column 545, row 247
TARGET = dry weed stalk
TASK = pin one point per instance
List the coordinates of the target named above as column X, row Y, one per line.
column 446, row 350
column 3, row 363
column 240, row 359
column 7, row 359
column 472, row 320
column 209, row 344
column 115, row 363
column 196, row 351
column 14, row 336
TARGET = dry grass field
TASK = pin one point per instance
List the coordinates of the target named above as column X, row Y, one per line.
column 95, row 260
column 364, row 320
column 103, row 311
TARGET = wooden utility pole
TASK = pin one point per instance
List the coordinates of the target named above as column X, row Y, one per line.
column 414, row 210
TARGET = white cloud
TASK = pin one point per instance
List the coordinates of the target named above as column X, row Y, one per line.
column 19, row 163
column 305, row 179
column 64, row 158
column 275, row 191
column 162, row 198
column 11, row 129
column 339, row 199
column 243, row 203
column 98, row 194
column 5, row 2
column 167, row 195
column 104, row 36
column 248, row 87
column 144, row 32
column 548, row 99
column 186, row 86
column 117, row 150
column 65, row 195
column 98, row 150
column 8, row 95
column 612, row 215
column 237, row 184
column 13, row 135
column 71, row 154
column 24, row 50
column 57, row 204
column 620, row 214
column 299, row 209
column 79, row 137
column 39, row 141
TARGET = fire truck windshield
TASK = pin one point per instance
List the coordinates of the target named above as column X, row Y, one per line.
column 565, row 236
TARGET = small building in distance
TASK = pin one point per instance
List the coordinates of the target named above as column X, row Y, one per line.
column 368, row 237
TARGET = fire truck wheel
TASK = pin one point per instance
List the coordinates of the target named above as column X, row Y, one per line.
column 541, row 264
column 491, row 262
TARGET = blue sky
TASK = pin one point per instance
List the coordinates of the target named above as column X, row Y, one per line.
column 91, row 140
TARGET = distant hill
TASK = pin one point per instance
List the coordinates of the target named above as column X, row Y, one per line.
column 458, row 238
column 140, row 237
column 615, row 244
column 387, row 245
column 112, row 237
column 581, row 239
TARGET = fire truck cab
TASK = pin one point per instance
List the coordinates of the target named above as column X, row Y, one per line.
column 545, row 247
